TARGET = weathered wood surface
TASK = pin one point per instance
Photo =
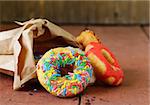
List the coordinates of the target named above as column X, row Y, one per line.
column 82, row 12
column 28, row 95
column 147, row 31
column 129, row 44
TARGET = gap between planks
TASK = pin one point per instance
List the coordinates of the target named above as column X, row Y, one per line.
column 145, row 29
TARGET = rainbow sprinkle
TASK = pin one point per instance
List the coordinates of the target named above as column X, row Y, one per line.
column 72, row 83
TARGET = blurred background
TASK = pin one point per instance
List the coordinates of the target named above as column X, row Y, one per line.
column 129, row 12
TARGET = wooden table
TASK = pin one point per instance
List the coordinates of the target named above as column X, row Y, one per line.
column 128, row 43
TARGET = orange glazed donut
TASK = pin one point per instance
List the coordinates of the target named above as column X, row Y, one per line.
column 105, row 65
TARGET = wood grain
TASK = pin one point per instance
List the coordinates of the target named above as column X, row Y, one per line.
column 77, row 12
column 147, row 30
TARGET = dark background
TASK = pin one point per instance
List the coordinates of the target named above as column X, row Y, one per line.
column 77, row 12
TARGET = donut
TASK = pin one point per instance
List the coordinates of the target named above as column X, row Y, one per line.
column 64, row 71
column 106, row 67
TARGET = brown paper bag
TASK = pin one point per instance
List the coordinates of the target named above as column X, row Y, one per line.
column 19, row 45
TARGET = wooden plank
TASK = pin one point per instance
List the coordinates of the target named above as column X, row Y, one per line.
column 74, row 30
column 19, row 10
column 121, row 12
column 27, row 95
column 137, row 10
column 104, row 12
column 130, row 46
column 147, row 30
column 82, row 12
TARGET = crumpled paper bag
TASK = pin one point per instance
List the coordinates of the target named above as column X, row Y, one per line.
column 17, row 47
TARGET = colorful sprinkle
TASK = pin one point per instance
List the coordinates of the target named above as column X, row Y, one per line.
column 72, row 83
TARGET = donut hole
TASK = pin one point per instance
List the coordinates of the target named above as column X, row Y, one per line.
column 107, row 56
column 64, row 70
